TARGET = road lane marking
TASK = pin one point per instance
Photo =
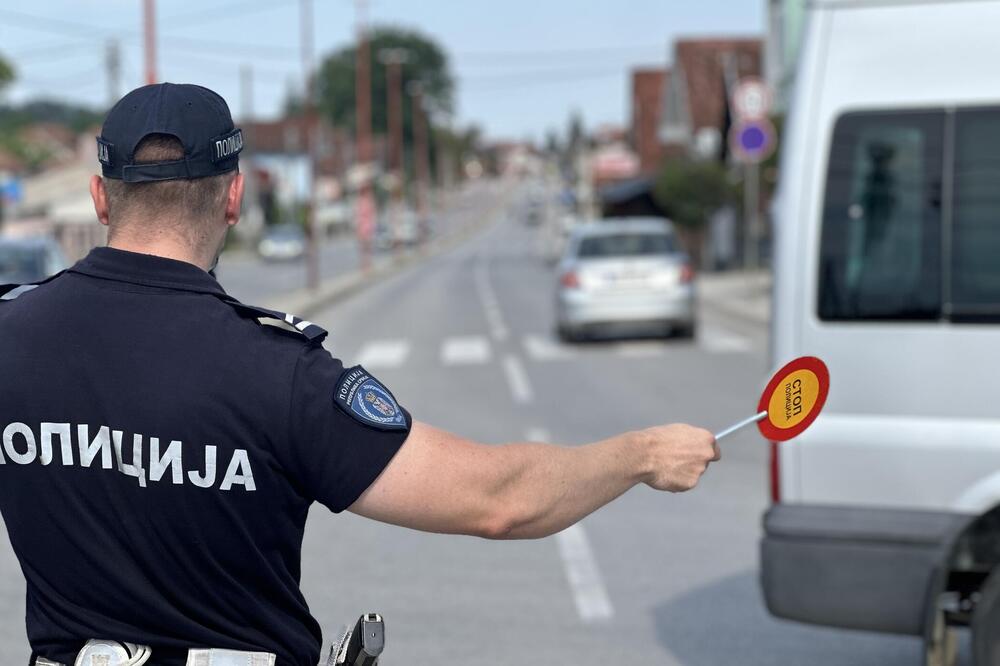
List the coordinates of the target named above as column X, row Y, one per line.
column 488, row 298
column 466, row 350
column 585, row 582
column 538, row 435
column 589, row 593
column 544, row 348
column 383, row 354
column 639, row 350
column 720, row 340
column 517, row 379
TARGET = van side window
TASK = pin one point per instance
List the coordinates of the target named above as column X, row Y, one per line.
column 880, row 251
column 975, row 228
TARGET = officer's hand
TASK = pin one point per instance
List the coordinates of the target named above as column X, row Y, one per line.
column 679, row 455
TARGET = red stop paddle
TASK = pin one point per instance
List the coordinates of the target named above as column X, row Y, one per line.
column 791, row 401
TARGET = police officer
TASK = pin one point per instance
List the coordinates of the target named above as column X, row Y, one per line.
column 162, row 442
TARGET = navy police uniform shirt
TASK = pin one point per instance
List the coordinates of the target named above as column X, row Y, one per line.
column 161, row 447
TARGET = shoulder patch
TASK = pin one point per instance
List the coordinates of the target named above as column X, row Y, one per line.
column 367, row 400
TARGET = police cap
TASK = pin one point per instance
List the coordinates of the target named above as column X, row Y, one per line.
column 198, row 117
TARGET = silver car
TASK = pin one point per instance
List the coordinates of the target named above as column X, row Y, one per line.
column 624, row 273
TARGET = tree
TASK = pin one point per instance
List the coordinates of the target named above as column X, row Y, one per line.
column 426, row 63
column 691, row 191
column 6, row 73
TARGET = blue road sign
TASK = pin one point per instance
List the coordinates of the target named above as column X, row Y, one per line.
column 10, row 190
column 752, row 141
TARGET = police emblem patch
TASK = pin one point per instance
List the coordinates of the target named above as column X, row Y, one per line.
column 365, row 399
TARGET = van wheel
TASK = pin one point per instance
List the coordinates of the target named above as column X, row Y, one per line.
column 941, row 647
column 986, row 623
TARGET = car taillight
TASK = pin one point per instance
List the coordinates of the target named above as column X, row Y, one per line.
column 570, row 280
column 775, row 469
column 687, row 273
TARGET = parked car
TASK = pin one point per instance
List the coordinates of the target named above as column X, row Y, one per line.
column 282, row 242
column 627, row 274
column 24, row 260
column 886, row 512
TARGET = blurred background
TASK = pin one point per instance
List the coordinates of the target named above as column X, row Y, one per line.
column 556, row 221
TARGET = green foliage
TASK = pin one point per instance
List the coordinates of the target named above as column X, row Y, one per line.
column 6, row 73
column 690, row 191
column 77, row 118
column 427, row 64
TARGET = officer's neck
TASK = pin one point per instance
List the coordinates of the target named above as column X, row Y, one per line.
column 167, row 248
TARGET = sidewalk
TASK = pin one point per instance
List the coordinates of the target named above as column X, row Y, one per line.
column 743, row 294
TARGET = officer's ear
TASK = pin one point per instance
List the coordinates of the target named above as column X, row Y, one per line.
column 100, row 197
column 234, row 200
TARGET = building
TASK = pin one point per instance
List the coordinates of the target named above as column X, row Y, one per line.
column 648, row 91
column 695, row 118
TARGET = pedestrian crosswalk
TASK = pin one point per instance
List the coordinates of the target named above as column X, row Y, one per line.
column 466, row 350
column 478, row 350
column 380, row 354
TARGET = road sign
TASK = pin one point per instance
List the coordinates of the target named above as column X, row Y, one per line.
column 752, row 141
column 751, row 99
column 791, row 401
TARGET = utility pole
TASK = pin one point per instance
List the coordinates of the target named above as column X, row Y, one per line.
column 393, row 59
column 444, row 164
column 420, row 147
column 309, row 116
column 113, row 68
column 149, row 33
column 253, row 208
column 365, row 205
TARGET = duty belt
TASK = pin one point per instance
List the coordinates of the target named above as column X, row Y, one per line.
column 115, row 653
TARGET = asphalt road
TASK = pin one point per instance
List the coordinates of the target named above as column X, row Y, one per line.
column 252, row 280
column 465, row 342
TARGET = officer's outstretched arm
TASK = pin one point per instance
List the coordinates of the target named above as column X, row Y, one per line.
column 439, row 482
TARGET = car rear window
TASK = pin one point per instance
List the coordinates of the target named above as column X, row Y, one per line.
column 625, row 245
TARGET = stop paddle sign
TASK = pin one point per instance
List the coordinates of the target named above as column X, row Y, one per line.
column 791, row 401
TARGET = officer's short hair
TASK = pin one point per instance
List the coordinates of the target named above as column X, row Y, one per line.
column 188, row 201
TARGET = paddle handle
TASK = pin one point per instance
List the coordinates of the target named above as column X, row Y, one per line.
column 745, row 422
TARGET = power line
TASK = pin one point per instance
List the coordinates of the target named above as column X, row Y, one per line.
column 527, row 82
column 89, row 31
column 53, row 51
column 549, row 53
column 235, row 9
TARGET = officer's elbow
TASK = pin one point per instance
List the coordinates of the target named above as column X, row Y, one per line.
column 510, row 522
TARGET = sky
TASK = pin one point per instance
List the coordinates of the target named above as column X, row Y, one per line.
column 521, row 66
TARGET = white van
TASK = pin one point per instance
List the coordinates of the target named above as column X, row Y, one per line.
column 886, row 513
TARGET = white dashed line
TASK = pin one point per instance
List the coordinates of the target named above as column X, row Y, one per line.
column 582, row 573
column 716, row 339
column 543, row 348
column 538, row 435
column 466, row 351
column 592, row 602
column 639, row 350
column 517, row 379
column 384, row 354
column 491, row 305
